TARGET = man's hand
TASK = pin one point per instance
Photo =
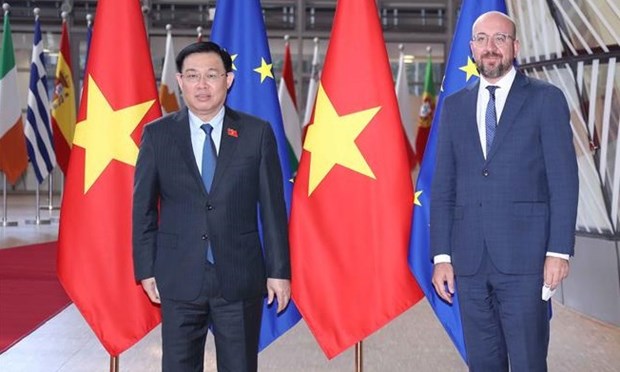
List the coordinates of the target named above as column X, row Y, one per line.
column 281, row 290
column 556, row 269
column 443, row 276
column 150, row 287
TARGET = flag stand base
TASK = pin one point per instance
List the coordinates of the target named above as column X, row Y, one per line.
column 5, row 223
column 38, row 221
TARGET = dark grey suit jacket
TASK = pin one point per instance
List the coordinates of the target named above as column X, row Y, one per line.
column 173, row 215
column 521, row 201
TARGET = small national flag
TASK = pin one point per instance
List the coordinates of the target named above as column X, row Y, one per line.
column 239, row 27
column 63, row 103
column 313, row 86
column 288, row 105
column 353, row 195
column 459, row 70
column 427, row 110
column 38, row 130
column 404, row 105
column 13, row 155
column 95, row 251
column 169, row 95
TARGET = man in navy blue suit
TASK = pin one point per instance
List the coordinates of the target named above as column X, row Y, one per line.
column 503, row 204
column 201, row 175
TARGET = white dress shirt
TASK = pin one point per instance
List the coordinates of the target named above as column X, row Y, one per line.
column 199, row 136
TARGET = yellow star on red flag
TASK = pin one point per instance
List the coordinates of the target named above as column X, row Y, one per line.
column 331, row 140
column 105, row 134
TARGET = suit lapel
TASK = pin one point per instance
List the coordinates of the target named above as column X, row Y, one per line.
column 514, row 102
column 183, row 139
column 231, row 133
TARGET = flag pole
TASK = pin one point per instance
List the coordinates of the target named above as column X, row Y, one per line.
column 50, row 185
column 37, row 218
column 114, row 360
column 50, row 198
column 5, row 222
column 359, row 356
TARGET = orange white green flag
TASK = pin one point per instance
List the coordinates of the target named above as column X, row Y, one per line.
column 13, row 155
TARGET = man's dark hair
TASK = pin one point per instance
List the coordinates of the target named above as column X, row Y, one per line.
column 204, row 47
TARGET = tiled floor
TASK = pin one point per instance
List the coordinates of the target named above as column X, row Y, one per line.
column 413, row 342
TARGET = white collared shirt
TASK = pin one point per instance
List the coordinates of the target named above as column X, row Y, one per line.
column 501, row 94
column 199, row 136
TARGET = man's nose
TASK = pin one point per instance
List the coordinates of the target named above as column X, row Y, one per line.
column 203, row 81
column 491, row 44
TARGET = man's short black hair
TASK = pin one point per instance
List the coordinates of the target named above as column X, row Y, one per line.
column 204, row 47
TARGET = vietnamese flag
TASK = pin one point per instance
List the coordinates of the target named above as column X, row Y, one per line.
column 95, row 253
column 353, row 198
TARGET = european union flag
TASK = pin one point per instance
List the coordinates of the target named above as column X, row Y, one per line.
column 460, row 71
column 239, row 27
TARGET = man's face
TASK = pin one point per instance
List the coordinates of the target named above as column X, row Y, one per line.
column 494, row 46
column 204, row 83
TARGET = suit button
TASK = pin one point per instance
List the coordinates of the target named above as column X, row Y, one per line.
column 204, row 237
column 485, row 172
column 209, row 207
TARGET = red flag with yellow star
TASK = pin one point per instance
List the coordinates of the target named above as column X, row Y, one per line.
column 352, row 199
column 95, row 254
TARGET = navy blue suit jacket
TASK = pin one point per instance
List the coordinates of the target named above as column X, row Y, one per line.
column 521, row 201
column 173, row 214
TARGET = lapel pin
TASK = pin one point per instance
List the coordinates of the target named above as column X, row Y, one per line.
column 232, row 132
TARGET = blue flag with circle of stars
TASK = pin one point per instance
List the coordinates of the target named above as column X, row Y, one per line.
column 239, row 28
column 460, row 70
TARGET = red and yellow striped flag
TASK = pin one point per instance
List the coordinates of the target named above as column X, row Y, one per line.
column 63, row 103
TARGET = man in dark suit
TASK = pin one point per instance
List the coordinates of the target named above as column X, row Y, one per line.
column 503, row 204
column 202, row 176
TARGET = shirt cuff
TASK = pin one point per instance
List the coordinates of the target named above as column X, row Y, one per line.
column 559, row 255
column 442, row 258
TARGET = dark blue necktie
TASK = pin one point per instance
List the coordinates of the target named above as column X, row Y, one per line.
column 490, row 117
column 209, row 159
